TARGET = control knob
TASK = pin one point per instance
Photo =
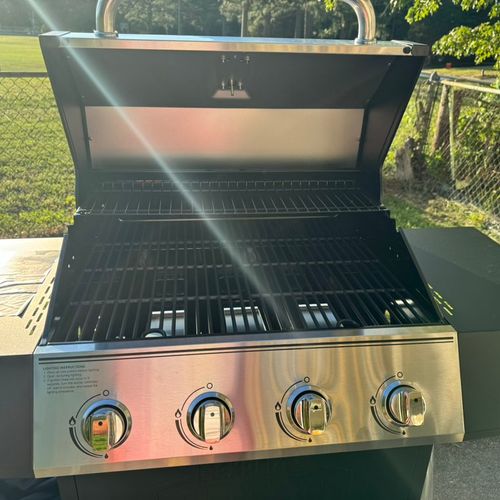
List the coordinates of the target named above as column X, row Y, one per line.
column 106, row 425
column 210, row 417
column 406, row 406
column 310, row 410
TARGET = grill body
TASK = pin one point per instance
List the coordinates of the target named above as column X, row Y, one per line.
column 230, row 255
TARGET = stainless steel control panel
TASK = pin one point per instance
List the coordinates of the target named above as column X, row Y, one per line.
column 190, row 402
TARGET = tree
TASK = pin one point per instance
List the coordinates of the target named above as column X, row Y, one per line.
column 194, row 17
column 150, row 16
column 293, row 18
column 482, row 41
column 64, row 14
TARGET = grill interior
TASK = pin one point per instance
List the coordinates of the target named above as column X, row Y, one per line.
column 227, row 197
column 191, row 278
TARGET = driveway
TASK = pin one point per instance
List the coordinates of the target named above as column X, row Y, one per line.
column 467, row 471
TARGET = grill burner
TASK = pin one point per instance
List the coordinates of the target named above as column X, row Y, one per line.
column 163, row 324
column 262, row 276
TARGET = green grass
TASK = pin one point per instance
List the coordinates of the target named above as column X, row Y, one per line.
column 20, row 53
column 36, row 173
column 420, row 209
column 473, row 72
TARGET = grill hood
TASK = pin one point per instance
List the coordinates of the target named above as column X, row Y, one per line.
column 137, row 106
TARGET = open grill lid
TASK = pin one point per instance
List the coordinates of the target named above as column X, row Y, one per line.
column 136, row 106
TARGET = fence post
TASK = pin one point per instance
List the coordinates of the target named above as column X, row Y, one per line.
column 424, row 114
column 410, row 159
column 454, row 104
column 441, row 135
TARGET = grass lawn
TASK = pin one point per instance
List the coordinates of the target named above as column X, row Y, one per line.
column 420, row 209
column 36, row 173
column 20, row 53
column 474, row 72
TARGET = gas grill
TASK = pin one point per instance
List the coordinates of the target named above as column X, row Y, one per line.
column 230, row 237
column 232, row 287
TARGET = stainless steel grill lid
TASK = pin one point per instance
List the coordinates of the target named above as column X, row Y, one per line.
column 136, row 105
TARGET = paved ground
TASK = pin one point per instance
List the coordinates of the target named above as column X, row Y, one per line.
column 467, row 471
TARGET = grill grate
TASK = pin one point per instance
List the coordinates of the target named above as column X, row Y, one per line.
column 245, row 197
column 178, row 279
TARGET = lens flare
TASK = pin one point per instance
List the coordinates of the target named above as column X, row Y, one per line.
column 214, row 226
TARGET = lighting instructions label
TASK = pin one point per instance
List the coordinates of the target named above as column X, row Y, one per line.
column 67, row 378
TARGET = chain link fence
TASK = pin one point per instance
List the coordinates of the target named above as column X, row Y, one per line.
column 30, row 127
column 449, row 142
column 36, row 171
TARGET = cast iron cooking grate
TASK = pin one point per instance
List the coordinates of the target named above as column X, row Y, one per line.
column 188, row 278
column 237, row 197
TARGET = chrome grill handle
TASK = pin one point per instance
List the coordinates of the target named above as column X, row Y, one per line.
column 105, row 16
column 367, row 24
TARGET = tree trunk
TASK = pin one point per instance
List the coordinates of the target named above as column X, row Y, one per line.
column 244, row 17
column 298, row 23
column 404, row 167
column 442, row 133
column 410, row 162
column 306, row 22
column 149, row 17
column 267, row 24
column 179, row 24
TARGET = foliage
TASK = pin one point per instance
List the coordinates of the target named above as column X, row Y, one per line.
column 149, row 16
column 310, row 18
column 279, row 18
column 63, row 14
column 171, row 16
column 294, row 18
column 482, row 41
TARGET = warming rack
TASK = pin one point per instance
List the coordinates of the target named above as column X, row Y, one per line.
column 227, row 197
